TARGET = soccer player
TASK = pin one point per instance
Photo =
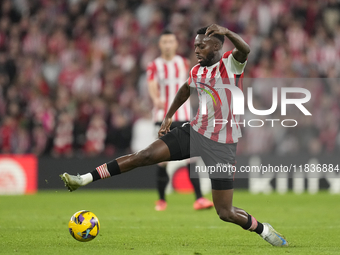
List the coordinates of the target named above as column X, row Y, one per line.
column 164, row 76
column 216, row 144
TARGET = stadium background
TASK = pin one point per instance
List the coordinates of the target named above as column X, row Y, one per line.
column 72, row 76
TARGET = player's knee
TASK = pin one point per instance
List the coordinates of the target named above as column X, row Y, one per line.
column 144, row 157
column 226, row 215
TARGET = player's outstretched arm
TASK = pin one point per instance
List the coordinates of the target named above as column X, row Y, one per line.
column 181, row 96
column 241, row 50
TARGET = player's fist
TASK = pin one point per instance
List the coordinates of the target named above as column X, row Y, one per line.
column 165, row 127
column 215, row 29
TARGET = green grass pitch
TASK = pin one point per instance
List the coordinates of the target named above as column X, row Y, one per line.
column 37, row 224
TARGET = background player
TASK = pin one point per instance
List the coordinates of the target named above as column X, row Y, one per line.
column 213, row 143
column 164, row 75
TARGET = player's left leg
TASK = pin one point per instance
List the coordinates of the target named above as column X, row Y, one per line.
column 155, row 153
column 172, row 146
column 223, row 197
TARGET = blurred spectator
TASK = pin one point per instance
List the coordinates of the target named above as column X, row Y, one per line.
column 63, row 138
column 39, row 141
column 119, row 130
column 51, row 70
column 124, row 58
column 95, row 136
column 7, row 9
column 7, row 135
column 69, row 74
column 34, row 40
column 88, row 83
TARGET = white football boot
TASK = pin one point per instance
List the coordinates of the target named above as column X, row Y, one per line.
column 72, row 182
column 272, row 236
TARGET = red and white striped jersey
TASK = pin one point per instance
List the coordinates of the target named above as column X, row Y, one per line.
column 170, row 75
column 227, row 71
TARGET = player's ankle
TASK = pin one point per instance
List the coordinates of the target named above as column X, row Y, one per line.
column 253, row 225
column 106, row 170
column 259, row 228
column 86, row 179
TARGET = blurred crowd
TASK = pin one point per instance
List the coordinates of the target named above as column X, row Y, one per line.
column 72, row 72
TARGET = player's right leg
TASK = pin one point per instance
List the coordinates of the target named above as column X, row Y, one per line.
column 222, row 183
column 223, row 196
column 156, row 152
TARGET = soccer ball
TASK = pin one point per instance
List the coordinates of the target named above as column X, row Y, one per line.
column 84, row 226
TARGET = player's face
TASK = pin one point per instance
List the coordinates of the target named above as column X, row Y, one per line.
column 168, row 44
column 204, row 50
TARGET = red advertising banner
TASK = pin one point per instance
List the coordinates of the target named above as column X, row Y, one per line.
column 18, row 174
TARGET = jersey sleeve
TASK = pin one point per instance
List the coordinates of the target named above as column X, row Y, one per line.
column 151, row 71
column 192, row 76
column 190, row 80
column 236, row 67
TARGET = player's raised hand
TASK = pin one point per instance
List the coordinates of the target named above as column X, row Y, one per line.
column 165, row 127
column 216, row 30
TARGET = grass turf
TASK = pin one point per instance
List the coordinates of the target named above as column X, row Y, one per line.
column 37, row 224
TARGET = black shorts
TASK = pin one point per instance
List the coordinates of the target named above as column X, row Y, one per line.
column 184, row 142
column 174, row 124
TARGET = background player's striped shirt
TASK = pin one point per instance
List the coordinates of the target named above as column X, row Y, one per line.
column 170, row 75
column 228, row 71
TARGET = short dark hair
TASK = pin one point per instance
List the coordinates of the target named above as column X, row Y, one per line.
column 203, row 30
column 166, row 32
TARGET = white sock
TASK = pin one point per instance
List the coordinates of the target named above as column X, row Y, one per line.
column 265, row 231
column 87, row 178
